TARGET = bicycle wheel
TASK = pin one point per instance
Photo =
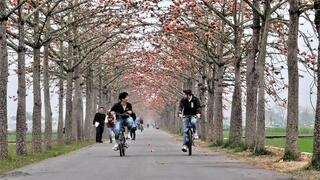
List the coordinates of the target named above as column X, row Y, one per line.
column 121, row 144
column 190, row 142
column 121, row 150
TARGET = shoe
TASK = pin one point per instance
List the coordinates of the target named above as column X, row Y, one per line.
column 196, row 136
column 115, row 147
column 184, row 148
column 129, row 136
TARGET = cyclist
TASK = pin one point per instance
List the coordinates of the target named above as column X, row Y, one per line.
column 123, row 112
column 189, row 111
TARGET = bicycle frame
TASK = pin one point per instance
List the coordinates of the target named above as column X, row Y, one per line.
column 190, row 133
column 122, row 140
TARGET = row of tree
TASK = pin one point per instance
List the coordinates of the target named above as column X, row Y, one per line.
column 75, row 48
column 228, row 49
column 229, row 52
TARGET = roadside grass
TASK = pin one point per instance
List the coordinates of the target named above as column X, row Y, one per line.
column 305, row 144
column 272, row 159
column 15, row 161
column 12, row 136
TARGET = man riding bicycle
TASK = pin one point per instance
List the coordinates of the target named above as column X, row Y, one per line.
column 123, row 112
column 189, row 110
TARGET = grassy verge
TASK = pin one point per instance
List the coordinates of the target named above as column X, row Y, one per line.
column 271, row 160
column 15, row 161
column 12, row 136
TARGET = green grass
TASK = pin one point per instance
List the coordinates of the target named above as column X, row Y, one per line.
column 280, row 131
column 304, row 144
column 12, row 136
column 15, row 161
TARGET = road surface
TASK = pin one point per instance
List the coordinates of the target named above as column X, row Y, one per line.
column 154, row 155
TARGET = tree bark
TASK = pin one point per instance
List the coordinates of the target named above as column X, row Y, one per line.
column 315, row 162
column 260, row 131
column 218, row 105
column 291, row 150
column 252, row 80
column 21, row 126
column 61, row 95
column 36, row 116
column 60, row 113
column 89, row 102
column 69, row 92
column 204, row 102
column 210, row 107
column 47, row 103
column 3, row 81
column 77, row 102
column 236, row 108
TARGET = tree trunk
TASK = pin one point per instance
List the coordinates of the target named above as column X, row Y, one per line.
column 36, row 116
column 252, row 80
column 218, row 105
column 89, row 102
column 291, row 150
column 315, row 162
column 60, row 118
column 77, row 103
column 210, row 104
column 61, row 95
column 236, row 108
column 260, row 131
column 47, row 103
column 204, row 102
column 21, row 126
column 94, row 109
column 3, row 81
column 68, row 117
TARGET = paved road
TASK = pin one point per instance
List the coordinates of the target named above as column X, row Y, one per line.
column 154, row 156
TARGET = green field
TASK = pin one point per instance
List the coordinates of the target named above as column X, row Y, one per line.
column 305, row 144
column 279, row 131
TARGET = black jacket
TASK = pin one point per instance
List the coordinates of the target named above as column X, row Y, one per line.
column 118, row 109
column 99, row 118
column 190, row 108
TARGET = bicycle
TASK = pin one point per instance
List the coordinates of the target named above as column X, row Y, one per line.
column 122, row 138
column 122, row 142
column 190, row 136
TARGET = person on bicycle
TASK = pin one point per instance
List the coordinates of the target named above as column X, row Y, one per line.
column 123, row 112
column 189, row 111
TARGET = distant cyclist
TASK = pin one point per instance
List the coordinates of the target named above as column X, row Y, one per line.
column 190, row 111
column 123, row 112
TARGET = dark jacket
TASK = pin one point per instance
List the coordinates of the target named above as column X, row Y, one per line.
column 190, row 108
column 99, row 118
column 110, row 122
column 118, row 109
